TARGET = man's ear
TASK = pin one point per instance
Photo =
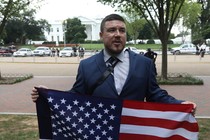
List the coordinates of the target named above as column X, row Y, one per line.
column 101, row 36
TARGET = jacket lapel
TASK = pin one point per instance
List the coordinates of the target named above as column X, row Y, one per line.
column 100, row 62
column 102, row 67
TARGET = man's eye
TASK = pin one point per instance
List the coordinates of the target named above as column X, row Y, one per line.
column 122, row 30
column 114, row 30
column 111, row 30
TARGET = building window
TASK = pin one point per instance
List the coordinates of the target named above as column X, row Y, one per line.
column 51, row 29
column 57, row 29
column 58, row 38
column 52, row 38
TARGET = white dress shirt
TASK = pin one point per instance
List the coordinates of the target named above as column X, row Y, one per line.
column 120, row 70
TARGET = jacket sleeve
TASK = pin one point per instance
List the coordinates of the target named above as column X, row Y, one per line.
column 155, row 93
column 79, row 86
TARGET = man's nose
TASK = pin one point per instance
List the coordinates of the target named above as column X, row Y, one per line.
column 117, row 32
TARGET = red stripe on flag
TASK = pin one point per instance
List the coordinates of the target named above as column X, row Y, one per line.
column 148, row 137
column 143, row 120
column 157, row 106
column 169, row 124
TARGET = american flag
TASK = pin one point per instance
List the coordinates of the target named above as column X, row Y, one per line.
column 63, row 116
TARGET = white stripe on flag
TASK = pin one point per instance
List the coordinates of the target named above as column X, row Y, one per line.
column 157, row 131
column 169, row 115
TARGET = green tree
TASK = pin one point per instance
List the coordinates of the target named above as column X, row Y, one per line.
column 23, row 28
column 162, row 14
column 14, row 8
column 146, row 32
column 204, row 20
column 134, row 24
column 74, row 31
column 189, row 17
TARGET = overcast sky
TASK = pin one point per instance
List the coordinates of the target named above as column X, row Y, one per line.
column 63, row 9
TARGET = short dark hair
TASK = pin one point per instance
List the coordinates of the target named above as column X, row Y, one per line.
column 110, row 18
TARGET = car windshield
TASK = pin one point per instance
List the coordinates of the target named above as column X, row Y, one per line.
column 67, row 49
column 4, row 48
column 40, row 49
column 22, row 50
column 185, row 46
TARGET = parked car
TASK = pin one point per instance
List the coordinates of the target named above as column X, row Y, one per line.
column 13, row 48
column 66, row 52
column 138, row 51
column 23, row 52
column 188, row 48
column 5, row 51
column 42, row 51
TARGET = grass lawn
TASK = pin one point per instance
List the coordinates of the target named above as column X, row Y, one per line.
column 18, row 127
column 24, row 127
column 100, row 46
column 14, row 78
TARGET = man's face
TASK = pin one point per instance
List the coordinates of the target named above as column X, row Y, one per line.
column 114, row 36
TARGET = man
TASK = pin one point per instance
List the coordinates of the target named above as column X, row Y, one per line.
column 203, row 48
column 152, row 55
column 81, row 51
column 133, row 77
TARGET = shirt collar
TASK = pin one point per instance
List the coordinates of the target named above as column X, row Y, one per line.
column 120, row 56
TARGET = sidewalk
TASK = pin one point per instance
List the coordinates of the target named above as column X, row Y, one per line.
column 60, row 75
column 16, row 98
column 200, row 94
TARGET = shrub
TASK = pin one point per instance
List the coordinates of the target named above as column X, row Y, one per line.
column 49, row 42
column 92, row 42
column 180, row 79
column 170, row 42
column 141, row 42
column 14, row 78
column 150, row 41
column 197, row 42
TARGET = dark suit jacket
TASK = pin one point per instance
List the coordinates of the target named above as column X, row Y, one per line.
column 140, row 84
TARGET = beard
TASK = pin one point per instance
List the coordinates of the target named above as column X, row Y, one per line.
column 114, row 49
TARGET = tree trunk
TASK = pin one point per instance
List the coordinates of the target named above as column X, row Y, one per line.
column 5, row 16
column 3, row 23
column 164, row 40
column 164, row 69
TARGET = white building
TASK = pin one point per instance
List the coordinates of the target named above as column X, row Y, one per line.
column 92, row 27
column 56, row 32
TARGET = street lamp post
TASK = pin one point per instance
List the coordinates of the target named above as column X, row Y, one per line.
column 64, row 41
column 64, row 33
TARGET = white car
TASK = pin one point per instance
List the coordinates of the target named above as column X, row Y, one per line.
column 42, row 51
column 134, row 49
column 188, row 48
column 23, row 52
column 66, row 52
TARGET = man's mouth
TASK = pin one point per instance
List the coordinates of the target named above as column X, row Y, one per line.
column 117, row 42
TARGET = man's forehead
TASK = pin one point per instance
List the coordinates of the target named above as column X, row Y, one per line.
column 115, row 23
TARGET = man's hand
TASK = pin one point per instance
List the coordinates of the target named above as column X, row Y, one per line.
column 34, row 94
column 194, row 106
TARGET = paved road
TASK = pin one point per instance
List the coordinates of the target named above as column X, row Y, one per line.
column 60, row 74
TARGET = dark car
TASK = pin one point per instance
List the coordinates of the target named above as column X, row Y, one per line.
column 5, row 51
column 13, row 48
